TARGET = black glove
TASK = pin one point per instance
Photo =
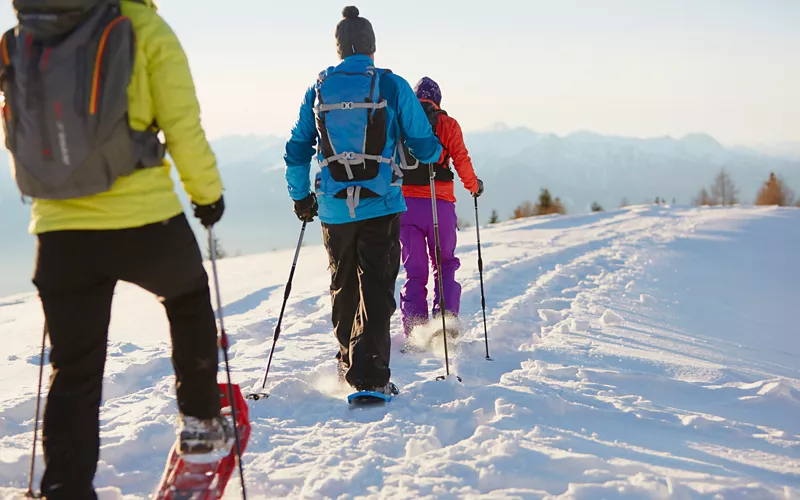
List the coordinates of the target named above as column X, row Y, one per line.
column 480, row 189
column 307, row 208
column 209, row 214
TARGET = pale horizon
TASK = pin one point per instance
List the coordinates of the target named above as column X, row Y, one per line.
column 643, row 69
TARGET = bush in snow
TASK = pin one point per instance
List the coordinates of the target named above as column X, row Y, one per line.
column 703, row 199
column 775, row 192
column 526, row 209
column 545, row 206
column 596, row 207
column 494, row 218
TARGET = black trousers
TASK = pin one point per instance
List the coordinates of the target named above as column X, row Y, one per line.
column 364, row 261
column 76, row 272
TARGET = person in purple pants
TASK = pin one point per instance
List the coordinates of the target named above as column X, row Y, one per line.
column 416, row 224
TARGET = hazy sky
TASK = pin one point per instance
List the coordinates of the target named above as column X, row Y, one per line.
column 637, row 67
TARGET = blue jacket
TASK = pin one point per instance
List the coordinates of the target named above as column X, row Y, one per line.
column 404, row 116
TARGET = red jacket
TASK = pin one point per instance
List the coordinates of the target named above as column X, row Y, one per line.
column 449, row 133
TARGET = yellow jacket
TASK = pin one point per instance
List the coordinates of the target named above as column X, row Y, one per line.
column 161, row 90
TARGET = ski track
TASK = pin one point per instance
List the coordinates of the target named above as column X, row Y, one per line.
column 598, row 389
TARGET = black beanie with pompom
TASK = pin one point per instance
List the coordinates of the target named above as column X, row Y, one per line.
column 354, row 34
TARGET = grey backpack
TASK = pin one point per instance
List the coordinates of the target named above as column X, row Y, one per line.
column 64, row 75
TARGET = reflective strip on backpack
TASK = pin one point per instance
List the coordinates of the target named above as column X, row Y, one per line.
column 98, row 63
column 322, row 108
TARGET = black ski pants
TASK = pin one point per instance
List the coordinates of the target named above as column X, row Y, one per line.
column 364, row 261
column 76, row 272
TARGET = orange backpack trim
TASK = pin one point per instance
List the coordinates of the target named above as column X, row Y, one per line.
column 4, row 50
column 99, row 61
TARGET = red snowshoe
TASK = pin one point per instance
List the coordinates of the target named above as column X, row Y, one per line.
column 187, row 478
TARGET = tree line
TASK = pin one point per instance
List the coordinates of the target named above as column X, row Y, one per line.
column 722, row 192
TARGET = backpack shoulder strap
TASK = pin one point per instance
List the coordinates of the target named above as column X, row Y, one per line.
column 434, row 120
column 381, row 72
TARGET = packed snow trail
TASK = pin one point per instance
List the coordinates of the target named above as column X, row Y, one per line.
column 647, row 352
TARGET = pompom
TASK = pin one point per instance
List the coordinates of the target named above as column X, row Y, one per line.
column 350, row 12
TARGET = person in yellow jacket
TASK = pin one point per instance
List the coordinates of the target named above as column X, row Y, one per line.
column 134, row 231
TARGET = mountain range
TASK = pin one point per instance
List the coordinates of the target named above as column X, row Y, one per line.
column 514, row 163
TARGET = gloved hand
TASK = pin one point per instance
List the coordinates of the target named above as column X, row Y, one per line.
column 209, row 214
column 307, row 208
column 480, row 189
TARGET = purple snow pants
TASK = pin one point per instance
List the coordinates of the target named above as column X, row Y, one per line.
column 418, row 247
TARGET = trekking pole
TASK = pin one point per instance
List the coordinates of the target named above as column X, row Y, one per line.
column 480, row 272
column 212, row 245
column 439, row 273
column 30, row 493
column 286, row 292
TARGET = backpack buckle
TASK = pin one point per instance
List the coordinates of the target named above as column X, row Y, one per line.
column 347, row 105
column 349, row 156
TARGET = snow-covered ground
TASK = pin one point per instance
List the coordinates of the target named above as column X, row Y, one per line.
column 648, row 352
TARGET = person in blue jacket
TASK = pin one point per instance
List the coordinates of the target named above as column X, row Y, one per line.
column 357, row 116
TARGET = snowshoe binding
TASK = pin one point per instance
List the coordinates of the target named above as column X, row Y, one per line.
column 203, row 436
column 374, row 395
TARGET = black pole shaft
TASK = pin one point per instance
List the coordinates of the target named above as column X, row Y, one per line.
column 286, row 293
column 480, row 272
column 212, row 245
column 439, row 267
column 30, row 493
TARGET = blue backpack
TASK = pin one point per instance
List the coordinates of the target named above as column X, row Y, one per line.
column 351, row 122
